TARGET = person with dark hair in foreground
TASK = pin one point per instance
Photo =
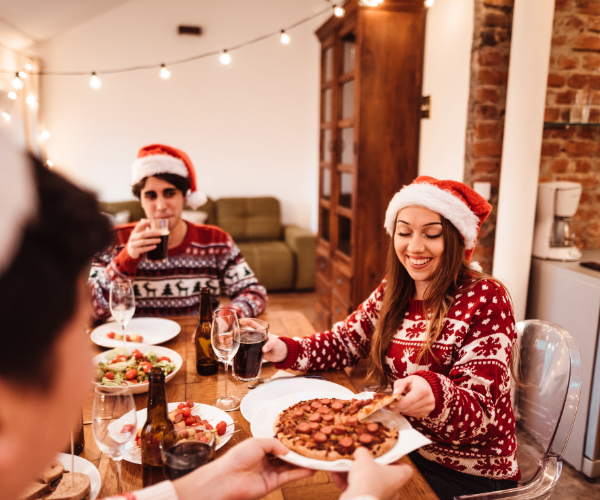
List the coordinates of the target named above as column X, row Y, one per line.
column 44, row 309
column 198, row 255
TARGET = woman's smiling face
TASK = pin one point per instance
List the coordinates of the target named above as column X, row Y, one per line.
column 419, row 245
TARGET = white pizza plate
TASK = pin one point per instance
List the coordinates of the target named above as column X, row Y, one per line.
column 85, row 467
column 256, row 399
column 154, row 330
column 143, row 348
column 207, row 412
column 262, row 426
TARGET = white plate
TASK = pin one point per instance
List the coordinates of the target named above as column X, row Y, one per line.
column 85, row 467
column 143, row 348
column 154, row 330
column 256, row 399
column 207, row 412
column 262, row 426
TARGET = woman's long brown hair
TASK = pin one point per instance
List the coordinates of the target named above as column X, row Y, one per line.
column 439, row 297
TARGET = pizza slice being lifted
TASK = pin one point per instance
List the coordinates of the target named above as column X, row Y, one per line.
column 379, row 401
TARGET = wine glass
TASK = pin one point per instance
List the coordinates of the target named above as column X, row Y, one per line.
column 114, row 423
column 122, row 303
column 225, row 339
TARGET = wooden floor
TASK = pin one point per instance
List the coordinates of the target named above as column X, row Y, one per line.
column 572, row 485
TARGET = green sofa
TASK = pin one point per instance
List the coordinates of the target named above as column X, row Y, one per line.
column 282, row 257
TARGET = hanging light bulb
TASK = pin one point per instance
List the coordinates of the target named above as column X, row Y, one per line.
column 164, row 72
column 49, row 163
column 428, row 3
column 17, row 83
column 31, row 101
column 28, row 66
column 225, row 58
column 338, row 11
column 370, row 3
column 95, row 82
column 45, row 134
column 12, row 95
column 6, row 116
column 285, row 38
column 22, row 74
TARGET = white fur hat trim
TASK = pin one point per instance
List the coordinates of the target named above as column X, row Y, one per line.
column 438, row 200
column 157, row 164
column 195, row 199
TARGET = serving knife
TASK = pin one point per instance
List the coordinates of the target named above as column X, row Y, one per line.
column 260, row 381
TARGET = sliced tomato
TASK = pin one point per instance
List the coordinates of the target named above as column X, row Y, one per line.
column 137, row 355
column 164, row 358
column 109, row 375
column 127, row 428
column 131, row 374
column 111, row 335
column 208, row 426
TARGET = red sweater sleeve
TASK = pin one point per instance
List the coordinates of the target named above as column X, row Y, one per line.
column 344, row 345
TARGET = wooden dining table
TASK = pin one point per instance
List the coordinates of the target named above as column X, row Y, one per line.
column 187, row 384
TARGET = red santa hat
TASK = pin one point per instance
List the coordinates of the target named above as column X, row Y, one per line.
column 462, row 206
column 160, row 159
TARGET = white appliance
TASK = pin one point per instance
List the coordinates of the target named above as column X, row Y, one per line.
column 553, row 237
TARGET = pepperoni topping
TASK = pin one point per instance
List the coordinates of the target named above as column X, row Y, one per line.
column 297, row 414
column 354, row 407
column 339, row 429
column 373, row 427
column 337, row 406
column 346, row 442
column 366, row 438
column 327, row 418
column 319, row 437
column 378, row 395
column 327, row 430
column 317, row 418
column 350, row 421
column 314, row 426
column 304, row 428
column 316, row 405
column 323, row 409
column 307, row 408
column 325, row 401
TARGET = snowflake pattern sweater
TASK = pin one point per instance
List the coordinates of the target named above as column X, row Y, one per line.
column 207, row 257
column 472, row 425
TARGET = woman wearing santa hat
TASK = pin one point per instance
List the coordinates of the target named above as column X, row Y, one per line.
column 198, row 255
column 441, row 332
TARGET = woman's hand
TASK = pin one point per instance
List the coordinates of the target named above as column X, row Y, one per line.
column 418, row 400
column 142, row 240
column 244, row 473
column 366, row 477
column 275, row 350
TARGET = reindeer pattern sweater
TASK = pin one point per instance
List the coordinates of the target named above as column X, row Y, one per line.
column 207, row 257
column 472, row 425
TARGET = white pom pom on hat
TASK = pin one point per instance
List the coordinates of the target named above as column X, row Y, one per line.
column 461, row 205
column 160, row 159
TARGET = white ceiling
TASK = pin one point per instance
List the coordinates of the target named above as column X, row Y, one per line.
column 25, row 22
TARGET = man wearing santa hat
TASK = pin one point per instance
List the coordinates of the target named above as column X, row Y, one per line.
column 198, row 255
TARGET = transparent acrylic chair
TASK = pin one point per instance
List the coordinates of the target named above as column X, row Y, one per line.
column 547, row 399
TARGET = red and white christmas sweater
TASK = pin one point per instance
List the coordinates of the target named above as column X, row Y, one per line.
column 472, row 425
column 207, row 257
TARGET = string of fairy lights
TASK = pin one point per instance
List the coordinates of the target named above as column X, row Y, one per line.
column 224, row 56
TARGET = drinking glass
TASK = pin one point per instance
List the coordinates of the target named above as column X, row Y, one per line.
column 159, row 254
column 122, row 303
column 184, row 450
column 248, row 360
column 225, row 339
column 114, row 423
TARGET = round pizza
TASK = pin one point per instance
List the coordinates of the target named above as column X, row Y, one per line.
column 329, row 429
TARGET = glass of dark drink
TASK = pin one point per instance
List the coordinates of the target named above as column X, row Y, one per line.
column 247, row 362
column 159, row 254
column 184, row 450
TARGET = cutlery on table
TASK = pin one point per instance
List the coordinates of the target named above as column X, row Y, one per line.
column 274, row 379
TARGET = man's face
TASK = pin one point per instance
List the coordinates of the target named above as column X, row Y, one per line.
column 162, row 200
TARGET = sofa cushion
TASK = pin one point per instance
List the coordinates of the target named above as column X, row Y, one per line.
column 249, row 219
column 272, row 263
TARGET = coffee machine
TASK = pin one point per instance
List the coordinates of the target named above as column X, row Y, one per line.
column 553, row 237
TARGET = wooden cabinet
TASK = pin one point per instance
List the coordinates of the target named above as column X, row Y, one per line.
column 371, row 75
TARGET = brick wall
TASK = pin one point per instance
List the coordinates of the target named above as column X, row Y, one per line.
column 574, row 154
column 487, row 100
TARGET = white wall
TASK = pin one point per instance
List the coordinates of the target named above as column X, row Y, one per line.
column 250, row 128
column 448, row 40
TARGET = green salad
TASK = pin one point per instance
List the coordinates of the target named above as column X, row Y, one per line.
column 121, row 368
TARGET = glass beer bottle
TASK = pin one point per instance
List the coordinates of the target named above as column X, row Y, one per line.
column 206, row 361
column 156, row 426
